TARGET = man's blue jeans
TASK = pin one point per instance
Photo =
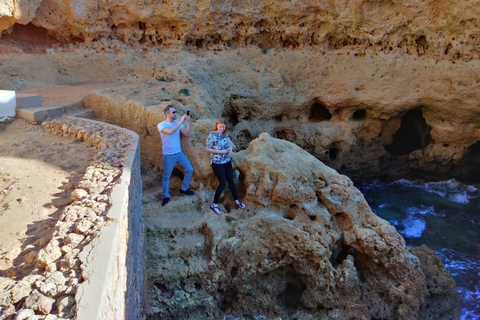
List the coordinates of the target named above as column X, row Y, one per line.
column 169, row 162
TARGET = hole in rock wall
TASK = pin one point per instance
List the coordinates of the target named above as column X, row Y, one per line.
column 165, row 293
column 178, row 173
column 229, row 298
column 333, row 153
column 285, row 134
column 233, row 272
column 318, row 112
column 413, row 134
column 244, row 137
column 143, row 27
column 229, row 112
column 340, row 252
column 291, row 213
column 29, row 38
column 231, row 117
column 241, row 189
column 359, row 114
column 290, row 299
column 199, row 43
column 342, row 220
column 421, row 42
column 471, row 160
column 203, row 43
column 227, row 206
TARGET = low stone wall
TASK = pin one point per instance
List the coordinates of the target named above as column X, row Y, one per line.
column 105, row 220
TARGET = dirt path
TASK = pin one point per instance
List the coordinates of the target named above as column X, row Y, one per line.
column 68, row 93
column 37, row 172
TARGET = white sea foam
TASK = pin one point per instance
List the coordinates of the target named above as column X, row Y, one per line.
column 452, row 190
column 405, row 183
column 423, row 210
column 412, row 213
column 471, row 310
column 459, row 198
column 468, row 315
column 413, row 227
column 393, row 222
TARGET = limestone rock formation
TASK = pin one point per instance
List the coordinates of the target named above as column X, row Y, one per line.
column 308, row 246
column 366, row 127
column 434, row 28
column 374, row 89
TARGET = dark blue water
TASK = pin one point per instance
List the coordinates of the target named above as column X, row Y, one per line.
column 443, row 215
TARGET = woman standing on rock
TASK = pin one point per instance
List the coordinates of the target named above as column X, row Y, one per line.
column 219, row 149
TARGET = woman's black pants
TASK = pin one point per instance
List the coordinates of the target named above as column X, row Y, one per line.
column 224, row 173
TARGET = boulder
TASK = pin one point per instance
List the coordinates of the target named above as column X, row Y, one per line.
column 40, row 303
column 308, row 244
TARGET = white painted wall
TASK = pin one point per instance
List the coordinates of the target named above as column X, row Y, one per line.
column 7, row 104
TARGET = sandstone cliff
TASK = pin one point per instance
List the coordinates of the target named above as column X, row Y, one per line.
column 437, row 29
column 307, row 246
column 372, row 88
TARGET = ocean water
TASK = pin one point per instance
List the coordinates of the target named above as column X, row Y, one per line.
column 443, row 215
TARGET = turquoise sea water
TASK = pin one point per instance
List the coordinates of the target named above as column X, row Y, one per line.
column 443, row 215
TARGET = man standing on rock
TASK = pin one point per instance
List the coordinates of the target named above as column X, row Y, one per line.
column 170, row 130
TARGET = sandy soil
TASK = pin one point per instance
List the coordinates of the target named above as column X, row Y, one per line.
column 68, row 93
column 37, row 174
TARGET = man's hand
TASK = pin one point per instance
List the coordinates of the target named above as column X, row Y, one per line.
column 185, row 130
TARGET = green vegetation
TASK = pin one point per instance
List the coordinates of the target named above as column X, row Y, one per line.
column 184, row 91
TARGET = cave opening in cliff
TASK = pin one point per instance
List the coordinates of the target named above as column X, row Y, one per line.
column 30, row 38
column 319, row 112
column 413, row 134
column 290, row 298
column 229, row 112
column 471, row 161
column 231, row 117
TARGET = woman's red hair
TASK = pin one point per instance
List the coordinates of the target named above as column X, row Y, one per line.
column 221, row 121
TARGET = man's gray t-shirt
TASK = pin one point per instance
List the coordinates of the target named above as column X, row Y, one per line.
column 170, row 142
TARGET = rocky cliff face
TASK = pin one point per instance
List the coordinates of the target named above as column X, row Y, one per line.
column 308, row 246
column 372, row 88
column 436, row 29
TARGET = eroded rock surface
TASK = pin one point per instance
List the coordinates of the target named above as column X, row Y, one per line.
column 437, row 29
column 372, row 88
column 307, row 246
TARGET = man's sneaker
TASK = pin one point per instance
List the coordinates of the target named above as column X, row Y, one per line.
column 186, row 192
column 165, row 201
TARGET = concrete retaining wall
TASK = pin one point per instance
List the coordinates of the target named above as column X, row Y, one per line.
column 112, row 263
